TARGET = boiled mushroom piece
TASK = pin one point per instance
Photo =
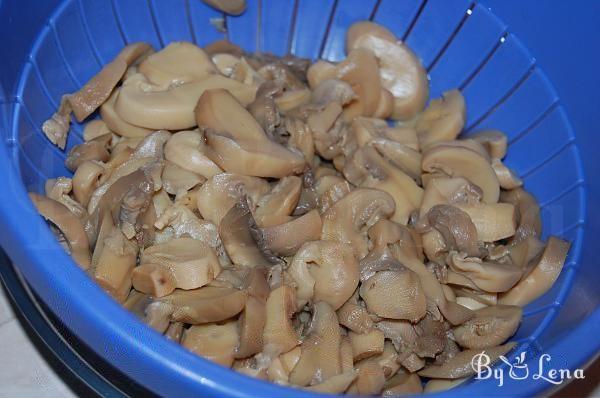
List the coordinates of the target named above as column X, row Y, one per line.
column 402, row 384
column 507, row 177
column 493, row 222
column 491, row 326
column 278, row 334
column 456, row 227
column 93, row 94
column 369, row 168
column 337, row 384
column 529, row 222
column 442, row 120
column 463, row 162
column 90, row 150
column 332, row 90
column 189, row 263
column 69, row 225
column 187, row 150
column 59, row 190
column 489, row 276
column 172, row 108
column 494, row 141
column 275, row 207
column 320, row 358
column 116, row 123
column 370, row 378
column 207, row 304
column 250, row 325
column 399, row 68
column 438, row 385
column 176, row 180
column 285, row 239
column 280, row 367
column 460, row 365
column 178, row 63
column 319, row 72
column 349, row 218
column 86, row 180
column 216, row 342
column 354, row 317
column 324, row 271
column 94, row 129
column 365, row 345
column 408, row 301
column 546, row 268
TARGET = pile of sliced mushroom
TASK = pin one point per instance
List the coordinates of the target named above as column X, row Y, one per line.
column 263, row 213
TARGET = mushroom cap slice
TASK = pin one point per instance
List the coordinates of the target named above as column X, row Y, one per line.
column 507, row 177
column 320, row 358
column 207, row 304
column 494, row 141
column 260, row 159
column 116, row 123
column 69, row 225
column 462, row 162
column 491, row 326
column 402, row 384
column 407, row 302
column 370, row 379
column 324, row 271
column 221, row 192
column 399, row 68
column 187, row 150
column 354, row 317
column 528, row 214
column 176, row 179
column 456, row 226
column 86, row 180
column 251, row 324
column 192, row 263
column 278, row 333
column 545, row 272
column 438, row 385
column 276, row 206
column 319, row 72
column 212, row 341
column 172, row 108
column 365, row 345
column 460, row 365
column 90, row 150
column 489, row 276
column 239, row 243
column 178, row 63
column 285, row 239
column 332, row 90
column 349, row 218
column 153, row 279
column 361, row 71
column 442, row 120
column 220, row 111
column 337, row 384
column 231, row 7
column 493, row 222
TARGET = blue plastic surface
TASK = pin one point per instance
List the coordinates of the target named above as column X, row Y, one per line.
column 522, row 68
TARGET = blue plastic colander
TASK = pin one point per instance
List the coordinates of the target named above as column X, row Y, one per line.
column 52, row 47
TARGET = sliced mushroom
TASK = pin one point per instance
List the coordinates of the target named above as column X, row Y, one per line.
column 251, row 324
column 400, row 155
column 212, row 341
column 69, row 225
column 385, row 107
column 320, row 358
column 285, row 239
column 354, row 317
column 207, row 304
column 171, row 108
column 153, row 279
column 365, row 345
column 324, row 271
column 187, row 150
column 319, row 72
column 442, row 120
column 278, row 334
column 489, row 276
column 368, row 168
column 90, row 150
column 528, row 214
column 223, row 46
column 275, row 207
column 325, row 128
column 490, row 327
column 507, row 177
column 116, row 123
column 494, row 141
column 174, row 332
column 177, row 180
column 349, row 218
column 330, row 190
column 438, row 385
column 370, row 379
column 456, row 226
column 452, row 191
column 543, row 275
column 280, row 368
column 332, row 90
column 86, row 180
column 463, row 162
column 292, row 99
column 178, row 63
column 94, row 129
column 181, row 222
column 261, row 159
column 191, row 263
column 400, row 70
column 523, row 252
column 116, row 258
column 301, row 138
column 59, row 189
column 493, row 222
column 220, row 193
column 407, row 302
column 222, row 112
column 460, row 365
column 157, row 316
column 238, row 239
column 93, row 94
